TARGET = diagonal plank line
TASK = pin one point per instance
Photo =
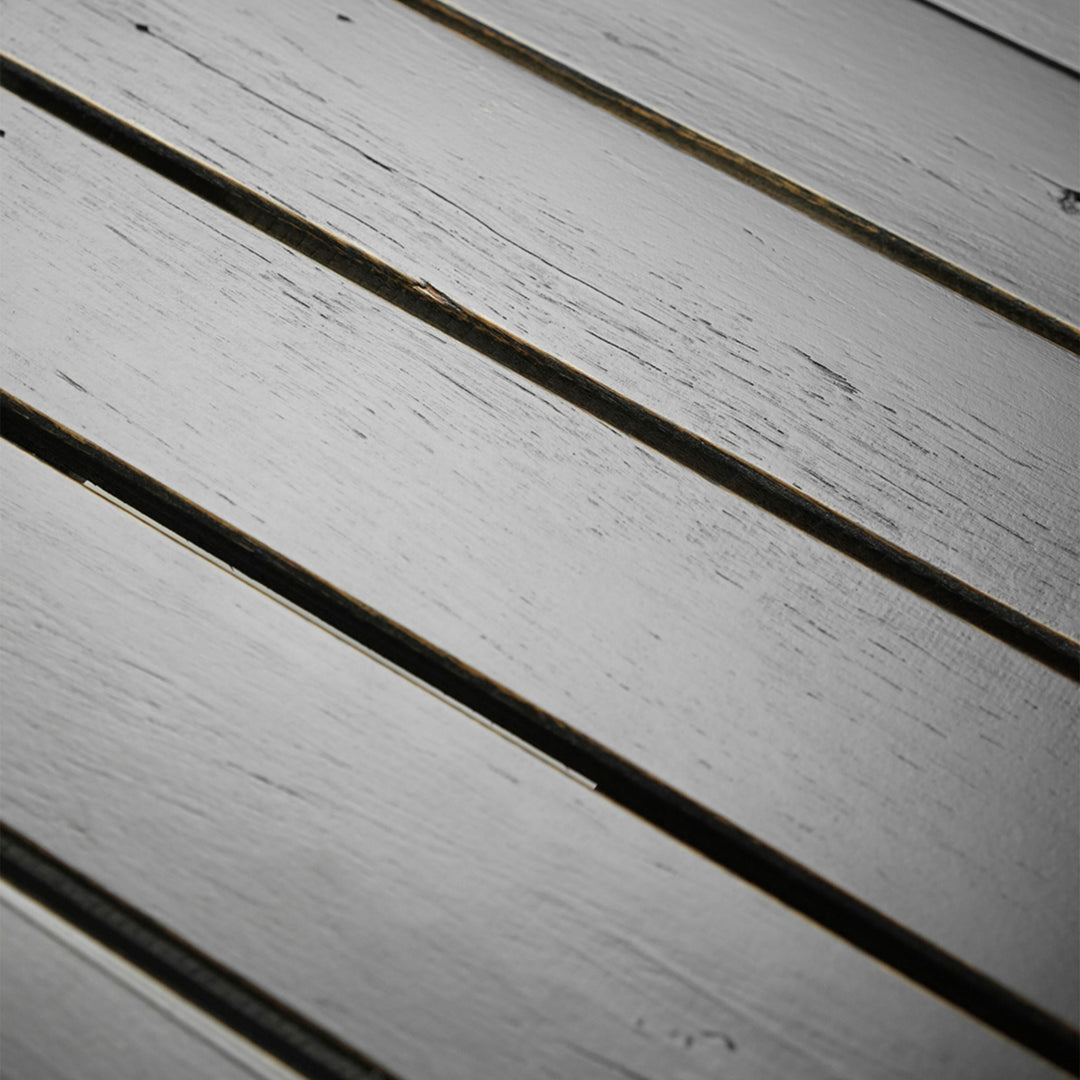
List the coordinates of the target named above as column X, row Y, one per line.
column 624, row 783
column 777, row 186
column 424, row 302
column 973, row 24
column 282, row 1032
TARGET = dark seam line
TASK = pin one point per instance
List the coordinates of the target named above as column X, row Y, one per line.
column 209, row 985
column 1027, row 50
column 758, row 176
column 421, row 300
column 624, row 783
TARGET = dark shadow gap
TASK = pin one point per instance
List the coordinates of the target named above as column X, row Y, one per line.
column 271, row 1025
column 621, row 781
column 1004, row 39
column 758, row 176
column 424, row 302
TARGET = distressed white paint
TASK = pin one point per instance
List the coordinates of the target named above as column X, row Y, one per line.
column 1050, row 27
column 956, row 141
column 922, row 765
column 72, row 1010
column 916, row 413
column 399, row 873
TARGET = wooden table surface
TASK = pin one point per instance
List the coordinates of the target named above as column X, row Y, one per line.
column 540, row 540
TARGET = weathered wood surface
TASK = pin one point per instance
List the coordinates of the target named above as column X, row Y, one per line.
column 1050, row 27
column 917, row 414
column 73, row 1011
column 394, row 870
column 890, row 747
column 947, row 137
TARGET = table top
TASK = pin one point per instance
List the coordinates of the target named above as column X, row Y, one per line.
column 540, row 541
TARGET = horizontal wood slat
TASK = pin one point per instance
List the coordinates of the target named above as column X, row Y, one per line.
column 948, row 137
column 363, row 850
column 72, row 1010
column 761, row 673
column 938, row 426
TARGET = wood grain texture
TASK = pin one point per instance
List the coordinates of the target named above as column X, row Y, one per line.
column 1050, row 27
column 365, row 851
column 947, row 137
column 74, row 1011
column 936, row 425
column 889, row 747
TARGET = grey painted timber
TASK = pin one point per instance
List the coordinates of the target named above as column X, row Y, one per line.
column 1049, row 27
column 941, row 134
column 72, row 1010
column 366, row 852
column 913, row 412
column 923, row 766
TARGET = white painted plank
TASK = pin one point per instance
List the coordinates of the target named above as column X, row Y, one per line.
column 363, row 850
column 943, row 135
column 917, row 414
column 890, row 747
column 71, row 1010
column 1050, row 27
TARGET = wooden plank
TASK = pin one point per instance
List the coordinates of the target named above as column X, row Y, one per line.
column 361, row 849
column 71, row 1010
column 1048, row 27
column 892, row 748
column 818, row 361
column 950, row 138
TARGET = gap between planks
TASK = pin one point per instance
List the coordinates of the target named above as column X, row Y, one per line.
column 74, row 1008
column 768, row 181
column 1005, row 39
column 947, row 430
column 265, row 1021
column 322, row 624
column 623, row 783
column 899, row 753
column 423, row 301
column 627, row 966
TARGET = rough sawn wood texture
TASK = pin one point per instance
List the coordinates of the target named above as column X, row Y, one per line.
column 914, row 412
column 946, row 136
column 360, row 846
column 761, row 673
column 384, row 864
